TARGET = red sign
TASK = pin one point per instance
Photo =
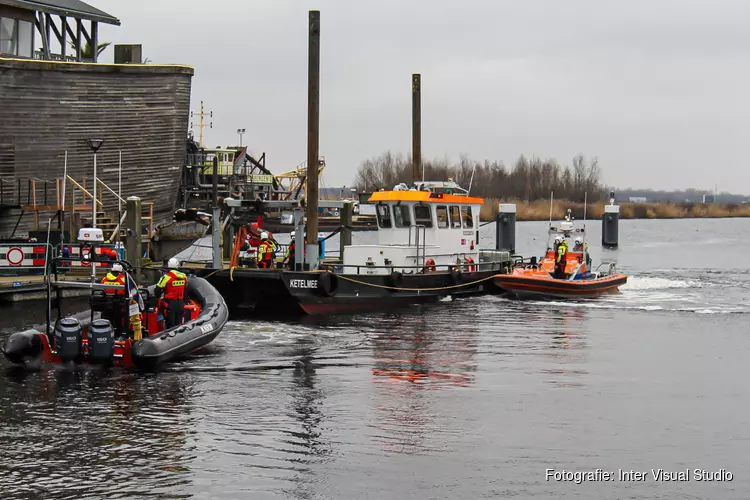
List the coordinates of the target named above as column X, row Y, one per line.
column 85, row 255
column 14, row 256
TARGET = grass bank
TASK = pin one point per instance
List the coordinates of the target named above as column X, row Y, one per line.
column 539, row 210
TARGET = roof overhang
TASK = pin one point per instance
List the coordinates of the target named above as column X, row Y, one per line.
column 70, row 8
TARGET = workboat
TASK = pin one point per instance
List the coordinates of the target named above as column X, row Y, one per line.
column 535, row 278
column 90, row 337
column 426, row 249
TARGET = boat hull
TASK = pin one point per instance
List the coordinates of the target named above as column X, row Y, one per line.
column 149, row 352
column 281, row 293
column 545, row 287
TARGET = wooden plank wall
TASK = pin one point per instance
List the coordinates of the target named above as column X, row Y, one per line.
column 50, row 107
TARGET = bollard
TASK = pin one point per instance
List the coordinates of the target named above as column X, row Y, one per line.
column 505, row 228
column 610, row 223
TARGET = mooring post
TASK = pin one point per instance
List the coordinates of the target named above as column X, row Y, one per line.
column 505, row 228
column 345, row 238
column 610, row 223
column 313, row 105
column 216, row 220
column 134, row 232
column 416, row 127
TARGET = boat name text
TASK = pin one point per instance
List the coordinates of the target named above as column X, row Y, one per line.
column 303, row 283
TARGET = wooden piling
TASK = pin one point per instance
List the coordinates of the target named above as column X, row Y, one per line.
column 416, row 127
column 313, row 104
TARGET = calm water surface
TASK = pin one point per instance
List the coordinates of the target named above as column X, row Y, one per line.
column 465, row 399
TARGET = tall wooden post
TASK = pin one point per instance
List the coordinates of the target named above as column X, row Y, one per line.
column 216, row 260
column 313, row 104
column 134, row 238
column 416, row 127
column 345, row 238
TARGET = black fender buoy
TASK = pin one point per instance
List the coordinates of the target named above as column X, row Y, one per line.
column 396, row 279
column 328, row 284
column 455, row 276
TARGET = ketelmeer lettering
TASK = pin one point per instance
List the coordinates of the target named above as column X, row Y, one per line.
column 303, row 283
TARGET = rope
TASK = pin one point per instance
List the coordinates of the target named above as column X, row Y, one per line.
column 414, row 289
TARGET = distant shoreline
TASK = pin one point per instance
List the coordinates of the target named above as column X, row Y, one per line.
column 539, row 210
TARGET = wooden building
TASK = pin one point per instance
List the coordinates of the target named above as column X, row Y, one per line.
column 54, row 97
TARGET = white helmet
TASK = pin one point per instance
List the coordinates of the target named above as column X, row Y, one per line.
column 579, row 240
column 264, row 235
column 173, row 263
column 558, row 238
column 117, row 267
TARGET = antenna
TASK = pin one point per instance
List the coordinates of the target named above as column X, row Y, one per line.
column 471, row 181
column 551, row 199
column 200, row 124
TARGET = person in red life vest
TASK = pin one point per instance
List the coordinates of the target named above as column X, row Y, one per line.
column 116, row 315
column 172, row 285
column 291, row 253
column 266, row 252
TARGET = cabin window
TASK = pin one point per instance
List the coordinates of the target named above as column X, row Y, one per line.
column 442, row 216
column 466, row 216
column 384, row 216
column 423, row 215
column 455, row 217
column 401, row 216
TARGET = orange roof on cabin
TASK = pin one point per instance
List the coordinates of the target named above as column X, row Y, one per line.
column 424, row 197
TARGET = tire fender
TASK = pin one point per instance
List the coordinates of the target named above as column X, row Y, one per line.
column 328, row 284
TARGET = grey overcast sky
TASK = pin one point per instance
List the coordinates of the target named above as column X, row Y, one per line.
column 657, row 89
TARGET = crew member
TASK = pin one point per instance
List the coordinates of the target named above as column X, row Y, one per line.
column 291, row 253
column 116, row 315
column 266, row 252
column 172, row 285
column 561, row 258
column 578, row 247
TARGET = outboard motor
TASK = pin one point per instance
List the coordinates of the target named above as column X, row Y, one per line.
column 68, row 339
column 101, row 341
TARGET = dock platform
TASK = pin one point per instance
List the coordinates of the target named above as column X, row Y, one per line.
column 33, row 287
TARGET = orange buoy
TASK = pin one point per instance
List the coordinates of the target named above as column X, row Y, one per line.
column 429, row 266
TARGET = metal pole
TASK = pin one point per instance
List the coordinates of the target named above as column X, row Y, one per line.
column 119, row 188
column 93, row 205
column 216, row 219
column 416, row 127
column 65, row 182
column 313, row 105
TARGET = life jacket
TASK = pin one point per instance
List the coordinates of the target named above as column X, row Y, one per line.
column 562, row 250
column 266, row 251
column 174, row 284
column 114, row 279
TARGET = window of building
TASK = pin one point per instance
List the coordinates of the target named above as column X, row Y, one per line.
column 25, row 39
column 8, row 36
column 16, row 37
column 384, row 216
column 423, row 215
column 442, row 216
column 401, row 216
column 455, row 217
column 466, row 216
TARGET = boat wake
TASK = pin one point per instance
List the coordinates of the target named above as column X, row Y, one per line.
column 693, row 292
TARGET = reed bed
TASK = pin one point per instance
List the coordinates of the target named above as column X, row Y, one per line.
column 539, row 210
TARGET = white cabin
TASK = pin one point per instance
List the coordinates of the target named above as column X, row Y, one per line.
column 415, row 226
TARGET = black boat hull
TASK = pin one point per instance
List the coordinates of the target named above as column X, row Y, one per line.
column 281, row 293
column 188, row 337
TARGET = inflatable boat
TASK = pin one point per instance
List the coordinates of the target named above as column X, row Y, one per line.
column 542, row 279
column 97, row 337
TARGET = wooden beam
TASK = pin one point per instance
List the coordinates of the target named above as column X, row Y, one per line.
column 39, row 22
column 47, row 33
column 79, row 28
column 85, row 33
column 94, row 40
column 64, row 37
column 51, row 24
